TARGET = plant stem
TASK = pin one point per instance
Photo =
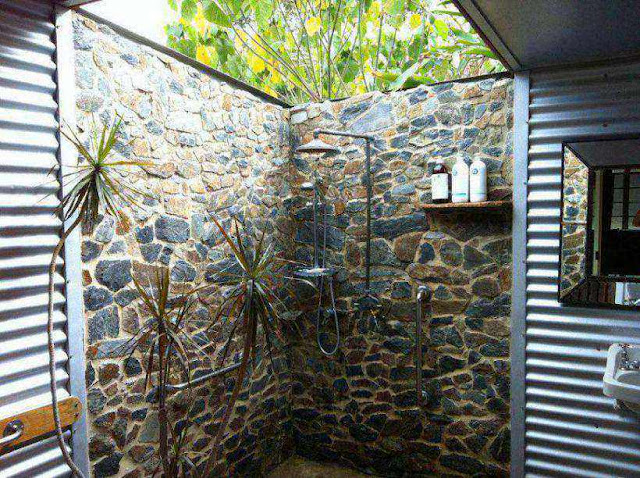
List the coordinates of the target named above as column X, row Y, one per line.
column 248, row 344
column 52, row 351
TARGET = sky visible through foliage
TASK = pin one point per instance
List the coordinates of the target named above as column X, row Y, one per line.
column 312, row 50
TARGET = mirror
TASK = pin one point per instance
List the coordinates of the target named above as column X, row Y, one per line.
column 600, row 224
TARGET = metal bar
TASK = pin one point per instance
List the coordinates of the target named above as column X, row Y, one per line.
column 518, row 301
column 68, row 159
column 341, row 133
column 423, row 291
column 197, row 381
column 315, row 225
column 369, row 195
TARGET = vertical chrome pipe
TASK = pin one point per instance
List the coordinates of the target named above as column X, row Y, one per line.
column 315, row 226
column 423, row 293
column 369, row 196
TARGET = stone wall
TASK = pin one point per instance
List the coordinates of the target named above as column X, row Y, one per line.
column 359, row 407
column 575, row 198
column 214, row 149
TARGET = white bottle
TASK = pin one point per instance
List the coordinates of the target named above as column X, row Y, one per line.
column 478, row 181
column 440, row 182
column 460, row 181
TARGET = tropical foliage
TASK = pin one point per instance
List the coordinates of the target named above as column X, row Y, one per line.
column 96, row 185
column 253, row 278
column 303, row 50
column 166, row 342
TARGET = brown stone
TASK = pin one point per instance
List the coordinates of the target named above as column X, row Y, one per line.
column 108, row 372
column 486, row 287
column 404, row 247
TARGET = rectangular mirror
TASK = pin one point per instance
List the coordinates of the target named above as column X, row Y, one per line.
column 600, row 224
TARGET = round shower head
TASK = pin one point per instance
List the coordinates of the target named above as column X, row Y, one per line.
column 316, row 145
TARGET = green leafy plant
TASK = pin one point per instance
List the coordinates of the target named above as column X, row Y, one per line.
column 313, row 50
column 166, row 342
column 254, row 279
column 95, row 185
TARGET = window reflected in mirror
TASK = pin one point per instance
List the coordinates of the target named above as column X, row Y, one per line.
column 600, row 224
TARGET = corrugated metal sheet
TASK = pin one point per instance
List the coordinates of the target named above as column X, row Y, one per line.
column 28, row 229
column 571, row 428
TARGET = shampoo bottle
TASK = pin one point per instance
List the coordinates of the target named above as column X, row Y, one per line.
column 460, row 181
column 478, row 181
column 440, row 180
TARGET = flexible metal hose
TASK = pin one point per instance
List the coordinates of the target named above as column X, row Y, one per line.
column 321, row 290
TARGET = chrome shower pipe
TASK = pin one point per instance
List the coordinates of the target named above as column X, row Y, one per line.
column 423, row 294
column 368, row 139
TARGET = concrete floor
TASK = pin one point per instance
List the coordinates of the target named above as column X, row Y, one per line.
column 301, row 468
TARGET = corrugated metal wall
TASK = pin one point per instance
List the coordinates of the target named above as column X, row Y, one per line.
column 570, row 428
column 28, row 229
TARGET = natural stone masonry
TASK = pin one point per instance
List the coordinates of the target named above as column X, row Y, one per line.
column 575, row 197
column 214, row 150
column 359, row 408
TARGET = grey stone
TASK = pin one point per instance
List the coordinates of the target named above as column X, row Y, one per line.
column 89, row 101
column 105, row 323
column 125, row 297
column 150, row 431
column 427, row 253
column 114, row 274
column 379, row 116
column 381, row 253
column 105, row 230
column 144, row 235
column 113, row 348
column 150, row 252
column 109, row 466
column 96, row 298
column 90, row 250
column 132, row 367
column 463, row 464
column 95, row 400
column 397, row 226
column 183, row 272
column 172, row 229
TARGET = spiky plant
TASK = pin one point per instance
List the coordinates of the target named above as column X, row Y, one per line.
column 95, row 185
column 165, row 341
column 254, row 279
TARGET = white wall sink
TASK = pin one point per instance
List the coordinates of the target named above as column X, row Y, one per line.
column 622, row 375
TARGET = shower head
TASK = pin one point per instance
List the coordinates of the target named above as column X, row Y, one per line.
column 316, row 145
column 308, row 186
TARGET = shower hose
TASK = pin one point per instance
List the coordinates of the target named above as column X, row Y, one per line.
column 333, row 350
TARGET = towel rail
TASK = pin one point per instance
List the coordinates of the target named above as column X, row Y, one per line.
column 423, row 294
column 196, row 381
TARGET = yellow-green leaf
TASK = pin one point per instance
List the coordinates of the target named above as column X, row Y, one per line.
column 313, row 25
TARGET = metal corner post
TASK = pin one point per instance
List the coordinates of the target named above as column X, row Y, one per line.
column 65, row 62
column 519, row 304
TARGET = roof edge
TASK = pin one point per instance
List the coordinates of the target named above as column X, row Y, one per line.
column 488, row 33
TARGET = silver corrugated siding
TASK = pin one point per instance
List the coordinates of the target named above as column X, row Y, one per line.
column 570, row 428
column 28, row 228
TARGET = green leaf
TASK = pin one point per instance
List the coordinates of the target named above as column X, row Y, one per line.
column 404, row 76
column 189, row 9
column 394, row 7
column 441, row 27
column 214, row 13
column 263, row 9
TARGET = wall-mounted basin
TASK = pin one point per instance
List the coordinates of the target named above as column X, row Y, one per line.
column 622, row 375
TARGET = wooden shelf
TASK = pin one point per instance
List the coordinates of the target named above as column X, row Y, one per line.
column 461, row 207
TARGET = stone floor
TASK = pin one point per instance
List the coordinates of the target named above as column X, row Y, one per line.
column 301, row 468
